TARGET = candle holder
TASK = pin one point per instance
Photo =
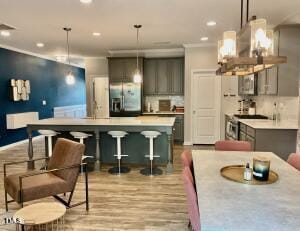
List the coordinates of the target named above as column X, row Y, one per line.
column 261, row 168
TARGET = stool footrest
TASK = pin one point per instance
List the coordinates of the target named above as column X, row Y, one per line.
column 156, row 156
column 121, row 155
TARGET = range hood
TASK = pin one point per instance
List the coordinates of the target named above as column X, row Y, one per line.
column 246, row 57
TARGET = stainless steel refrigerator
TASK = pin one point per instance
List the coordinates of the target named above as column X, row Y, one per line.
column 125, row 99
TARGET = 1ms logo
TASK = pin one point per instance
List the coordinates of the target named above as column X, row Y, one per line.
column 11, row 220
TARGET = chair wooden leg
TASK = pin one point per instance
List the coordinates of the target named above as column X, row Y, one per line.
column 70, row 197
column 5, row 198
column 86, row 191
column 190, row 226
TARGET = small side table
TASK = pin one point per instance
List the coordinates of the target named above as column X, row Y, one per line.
column 41, row 216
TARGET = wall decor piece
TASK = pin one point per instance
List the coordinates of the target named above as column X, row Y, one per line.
column 20, row 89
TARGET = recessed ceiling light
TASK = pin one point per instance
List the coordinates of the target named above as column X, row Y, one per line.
column 96, row 34
column 5, row 33
column 86, row 1
column 211, row 23
column 204, row 38
column 40, row 44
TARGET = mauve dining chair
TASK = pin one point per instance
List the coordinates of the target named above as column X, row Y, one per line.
column 193, row 210
column 233, row 145
column 294, row 160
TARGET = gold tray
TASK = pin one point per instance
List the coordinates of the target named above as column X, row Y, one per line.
column 236, row 173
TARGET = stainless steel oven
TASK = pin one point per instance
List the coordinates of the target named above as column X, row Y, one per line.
column 232, row 129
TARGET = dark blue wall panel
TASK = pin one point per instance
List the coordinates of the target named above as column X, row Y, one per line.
column 47, row 79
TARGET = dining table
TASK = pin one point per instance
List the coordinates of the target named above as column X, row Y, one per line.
column 226, row 205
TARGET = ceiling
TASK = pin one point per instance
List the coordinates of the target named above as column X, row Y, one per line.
column 166, row 23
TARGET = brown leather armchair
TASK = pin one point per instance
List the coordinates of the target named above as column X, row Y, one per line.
column 60, row 177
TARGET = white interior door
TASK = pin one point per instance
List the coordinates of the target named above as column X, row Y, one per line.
column 206, row 107
column 101, row 97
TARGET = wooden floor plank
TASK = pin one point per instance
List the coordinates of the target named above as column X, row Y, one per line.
column 127, row 202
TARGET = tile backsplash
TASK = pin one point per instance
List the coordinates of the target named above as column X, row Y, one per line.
column 153, row 100
column 288, row 107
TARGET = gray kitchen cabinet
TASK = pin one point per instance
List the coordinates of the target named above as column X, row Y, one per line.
column 116, row 70
column 241, row 85
column 251, row 140
column 123, row 69
column 267, row 81
column 179, row 128
column 164, row 76
column 177, row 73
column 149, row 76
column 261, row 83
column 243, row 136
column 247, row 84
column 272, row 81
column 288, row 73
column 282, row 142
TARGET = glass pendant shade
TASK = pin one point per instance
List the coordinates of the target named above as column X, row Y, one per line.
column 137, row 78
column 270, row 43
column 220, row 54
column 259, row 40
column 70, row 79
column 229, row 44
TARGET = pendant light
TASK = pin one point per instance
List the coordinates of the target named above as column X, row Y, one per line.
column 137, row 78
column 70, row 79
column 232, row 50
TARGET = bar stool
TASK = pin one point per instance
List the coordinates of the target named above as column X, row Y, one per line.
column 49, row 134
column 118, row 170
column 81, row 136
column 150, row 171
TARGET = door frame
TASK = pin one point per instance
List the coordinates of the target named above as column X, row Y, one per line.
column 205, row 73
column 92, row 94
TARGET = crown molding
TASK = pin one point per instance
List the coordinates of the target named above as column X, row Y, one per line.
column 96, row 57
column 195, row 45
column 37, row 55
column 149, row 52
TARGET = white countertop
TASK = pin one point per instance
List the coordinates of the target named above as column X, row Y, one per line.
column 230, row 206
column 270, row 124
column 163, row 113
column 267, row 124
column 115, row 121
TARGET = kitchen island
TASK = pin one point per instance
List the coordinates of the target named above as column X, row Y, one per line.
column 103, row 146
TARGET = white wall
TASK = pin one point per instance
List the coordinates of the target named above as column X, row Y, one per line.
column 195, row 58
column 93, row 67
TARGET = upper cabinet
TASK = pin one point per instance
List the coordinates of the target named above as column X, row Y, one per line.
column 288, row 73
column 164, row 76
column 149, row 76
column 268, row 81
column 123, row 69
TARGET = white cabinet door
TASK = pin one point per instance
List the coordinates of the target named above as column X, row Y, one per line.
column 206, row 98
column 101, row 97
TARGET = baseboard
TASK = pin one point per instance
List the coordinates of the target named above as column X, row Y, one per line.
column 19, row 142
column 186, row 143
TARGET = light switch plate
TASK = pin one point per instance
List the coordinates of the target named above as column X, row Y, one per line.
column 44, row 102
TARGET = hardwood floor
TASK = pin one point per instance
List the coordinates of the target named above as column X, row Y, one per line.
column 127, row 202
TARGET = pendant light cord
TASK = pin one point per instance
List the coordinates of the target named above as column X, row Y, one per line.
column 68, row 46
column 137, row 49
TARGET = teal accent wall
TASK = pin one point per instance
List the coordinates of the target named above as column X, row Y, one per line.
column 47, row 79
